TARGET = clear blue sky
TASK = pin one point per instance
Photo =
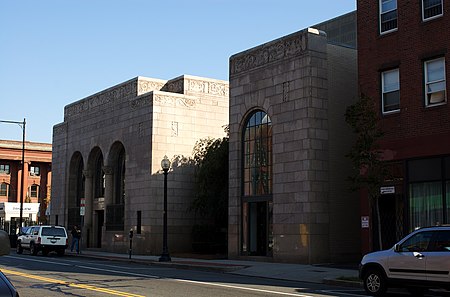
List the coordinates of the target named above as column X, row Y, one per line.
column 55, row 52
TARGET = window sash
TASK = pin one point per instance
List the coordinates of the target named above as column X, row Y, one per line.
column 4, row 189
column 34, row 170
column 4, row 168
column 34, row 191
column 391, row 90
column 435, row 82
column 388, row 15
column 431, row 9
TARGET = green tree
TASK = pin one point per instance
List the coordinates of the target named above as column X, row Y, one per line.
column 211, row 195
column 211, row 176
column 369, row 169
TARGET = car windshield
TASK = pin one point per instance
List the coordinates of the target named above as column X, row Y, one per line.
column 52, row 231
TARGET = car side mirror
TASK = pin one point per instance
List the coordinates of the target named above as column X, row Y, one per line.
column 397, row 248
column 5, row 246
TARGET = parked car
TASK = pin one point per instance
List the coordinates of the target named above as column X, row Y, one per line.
column 43, row 238
column 6, row 287
column 419, row 261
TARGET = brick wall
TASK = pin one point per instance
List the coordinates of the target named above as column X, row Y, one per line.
column 407, row 48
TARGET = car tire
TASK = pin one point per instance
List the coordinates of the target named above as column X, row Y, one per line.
column 60, row 252
column 33, row 249
column 19, row 248
column 375, row 283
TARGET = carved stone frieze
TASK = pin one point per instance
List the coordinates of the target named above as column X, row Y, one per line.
column 197, row 86
column 219, row 89
column 172, row 100
column 145, row 86
column 284, row 48
column 102, row 98
column 140, row 102
column 207, row 87
column 60, row 129
column 175, row 86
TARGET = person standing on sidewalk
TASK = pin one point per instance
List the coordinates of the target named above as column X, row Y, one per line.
column 76, row 235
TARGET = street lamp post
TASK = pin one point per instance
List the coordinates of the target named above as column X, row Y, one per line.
column 165, row 257
column 22, row 125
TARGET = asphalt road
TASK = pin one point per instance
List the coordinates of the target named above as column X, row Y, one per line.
column 78, row 276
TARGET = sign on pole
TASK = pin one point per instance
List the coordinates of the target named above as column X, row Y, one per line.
column 82, row 206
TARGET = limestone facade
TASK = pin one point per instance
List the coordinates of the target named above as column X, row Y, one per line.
column 303, row 84
column 107, row 153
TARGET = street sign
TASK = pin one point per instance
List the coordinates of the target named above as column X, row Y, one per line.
column 387, row 190
column 365, row 222
column 82, row 206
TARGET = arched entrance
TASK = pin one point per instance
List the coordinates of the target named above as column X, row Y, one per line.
column 75, row 191
column 97, row 197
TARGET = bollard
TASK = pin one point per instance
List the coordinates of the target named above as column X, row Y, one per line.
column 131, row 243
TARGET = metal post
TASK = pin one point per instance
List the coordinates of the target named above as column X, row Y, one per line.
column 22, row 178
column 131, row 243
column 165, row 257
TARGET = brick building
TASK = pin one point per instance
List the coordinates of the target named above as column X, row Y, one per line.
column 36, row 186
column 108, row 152
column 403, row 56
column 288, row 194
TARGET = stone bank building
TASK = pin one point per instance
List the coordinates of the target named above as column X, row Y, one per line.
column 107, row 153
column 288, row 194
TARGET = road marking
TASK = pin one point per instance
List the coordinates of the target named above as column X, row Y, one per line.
column 174, row 279
column 116, row 271
column 242, row 288
column 91, row 268
column 40, row 261
column 74, row 285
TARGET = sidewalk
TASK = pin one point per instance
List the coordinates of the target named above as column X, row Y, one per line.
column 281, row 271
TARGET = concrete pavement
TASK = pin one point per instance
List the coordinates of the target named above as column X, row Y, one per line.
column 292, row 272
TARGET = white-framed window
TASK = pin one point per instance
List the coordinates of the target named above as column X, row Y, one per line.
column 431, row 9
column 388, row 16
column 34, row 170
column 390, row 82
column 435, row 83
column 34, row 191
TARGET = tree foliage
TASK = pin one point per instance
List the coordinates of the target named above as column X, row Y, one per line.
column 211, row 175
column 369, row 169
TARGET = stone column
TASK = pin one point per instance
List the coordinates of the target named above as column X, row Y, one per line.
column 87, row 232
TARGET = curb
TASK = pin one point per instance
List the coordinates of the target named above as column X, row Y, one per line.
column 209, row 267
column 187, row 266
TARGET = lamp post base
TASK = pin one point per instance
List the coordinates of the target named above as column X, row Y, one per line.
column 165, row 257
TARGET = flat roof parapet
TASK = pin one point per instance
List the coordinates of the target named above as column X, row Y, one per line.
column 138, row 86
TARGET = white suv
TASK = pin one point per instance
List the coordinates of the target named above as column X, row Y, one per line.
column 43, row 238
column 419, row 261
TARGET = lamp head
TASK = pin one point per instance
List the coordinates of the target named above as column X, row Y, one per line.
column 165, row 163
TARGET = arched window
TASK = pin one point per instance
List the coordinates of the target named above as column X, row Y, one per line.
column 257, row 206
column 257, row 175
